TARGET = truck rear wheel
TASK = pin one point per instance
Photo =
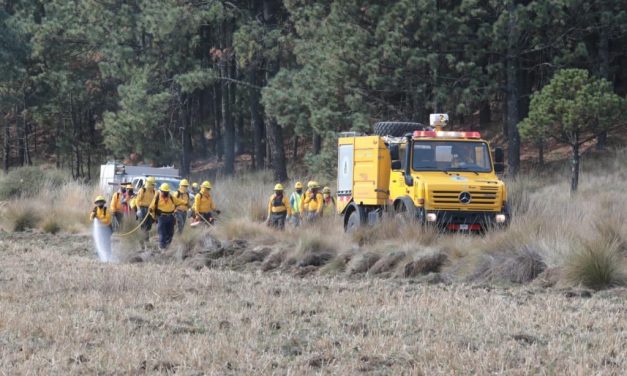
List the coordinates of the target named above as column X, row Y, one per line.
column 396, row 128
column 356, row 218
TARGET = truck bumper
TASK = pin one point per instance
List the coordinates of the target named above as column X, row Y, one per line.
column 467, row 221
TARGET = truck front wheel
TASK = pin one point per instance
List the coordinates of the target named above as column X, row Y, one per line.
column 355, row 218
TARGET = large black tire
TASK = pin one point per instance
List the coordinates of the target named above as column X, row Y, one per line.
column 356, row 219
column 396, row 128
column 406, row 210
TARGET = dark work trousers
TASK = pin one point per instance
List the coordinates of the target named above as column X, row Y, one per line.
column 277, row 220
column 165, row 228
column 143, row 212
column 181, row 217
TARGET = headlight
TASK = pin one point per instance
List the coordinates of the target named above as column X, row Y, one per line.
column 431, row 217
column 500, row 218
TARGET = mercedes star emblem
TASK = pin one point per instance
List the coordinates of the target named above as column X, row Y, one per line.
column 465, row 197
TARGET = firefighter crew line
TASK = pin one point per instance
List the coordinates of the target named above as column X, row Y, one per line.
column 170, row 210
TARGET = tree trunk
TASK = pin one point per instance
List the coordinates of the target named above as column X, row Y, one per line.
column 574, row 182
column 257, row 123
column 512, row 91
column 227, row 119
column 275, row 136
column 275, row 133
column 317, row 143
column 6, row 148
column 295, row 149
column 604, row 63
column 485, row 114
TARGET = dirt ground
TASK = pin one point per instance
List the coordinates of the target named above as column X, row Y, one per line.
column 64, row 312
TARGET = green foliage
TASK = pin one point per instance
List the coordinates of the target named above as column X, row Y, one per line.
column 147, row 77
column 28, row 181
column 573, row 106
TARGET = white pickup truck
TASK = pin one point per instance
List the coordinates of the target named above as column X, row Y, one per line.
column 113, row 173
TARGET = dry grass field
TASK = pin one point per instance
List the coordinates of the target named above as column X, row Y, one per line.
column 63, row 312
column 546, row 296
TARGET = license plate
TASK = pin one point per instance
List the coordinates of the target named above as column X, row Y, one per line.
column 463, row 227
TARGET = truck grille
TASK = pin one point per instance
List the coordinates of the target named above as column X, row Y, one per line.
column 479, row 197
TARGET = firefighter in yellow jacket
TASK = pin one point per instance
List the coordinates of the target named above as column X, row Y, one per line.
column 203, row 204
column 117, row 207
column 328, row 203
column 312, row 203
column 143, row 200
column 162, row 211
column 102, row 229
column 182, row 209
column 278, row 208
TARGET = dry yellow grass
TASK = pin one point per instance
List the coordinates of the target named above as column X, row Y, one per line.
column 65, row 313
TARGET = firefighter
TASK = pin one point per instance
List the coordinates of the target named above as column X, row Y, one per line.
column 328, row 203
column 278, row 208
column 192, row 199
column 295, row 203
column 311, row 206
column 204, row 205
column 182, row 209
column 103, row 218
column 162, row 211
column 117, row 207
column 129, row 200
column 144, row 198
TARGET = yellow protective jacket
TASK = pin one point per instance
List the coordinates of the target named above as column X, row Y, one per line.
column 203, row 202
column 312, row 203
column 116, row 202
column 164, row 205
column 103, row 215
column 185, row 199
column 279, row 205
column 328, row 206
column 145, row 196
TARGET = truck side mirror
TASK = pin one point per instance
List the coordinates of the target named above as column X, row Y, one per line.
column 499, row 168
column 409, row 180
column 394, row 152
column 397, row 165
column 499, row 156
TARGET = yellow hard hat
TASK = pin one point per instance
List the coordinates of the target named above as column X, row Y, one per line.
column 314, row 184
column 298, row 185
column 151, row 180
column 194, row 185
column 278, row 187
column 184, row 183
column 129, row 186
column 326, row 190
column 206, row 184
column 100, row 199
column 310, row 184
column 165, row 187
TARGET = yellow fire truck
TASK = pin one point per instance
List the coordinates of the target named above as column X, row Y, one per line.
column 424, row 174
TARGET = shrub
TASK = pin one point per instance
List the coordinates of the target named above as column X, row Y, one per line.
column 51, row 226
column 597, row 264
column 22, row 217
column 28, row 181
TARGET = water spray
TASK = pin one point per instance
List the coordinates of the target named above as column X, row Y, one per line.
column 102, row 240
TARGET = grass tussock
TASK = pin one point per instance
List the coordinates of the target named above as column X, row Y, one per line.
column 391, row 228
column 519, row 265
column 597, row 264
column 21, row 216
column 244, row 228
column 51, row 226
